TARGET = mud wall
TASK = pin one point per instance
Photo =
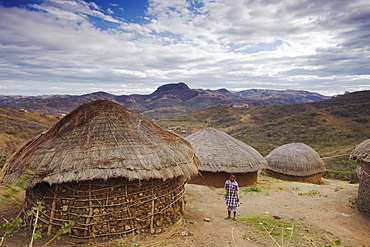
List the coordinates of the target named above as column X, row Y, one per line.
column 218, row 179
column 107, row 208
column 314, row 179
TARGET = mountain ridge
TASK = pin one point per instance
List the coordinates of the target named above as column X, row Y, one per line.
column 167, row 100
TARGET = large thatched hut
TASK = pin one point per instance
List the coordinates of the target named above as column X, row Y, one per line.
column 295, row 162
column 108, row 169
column 222, row 154
column 362, row 154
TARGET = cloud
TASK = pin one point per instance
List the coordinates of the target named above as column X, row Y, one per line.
column 75, row 46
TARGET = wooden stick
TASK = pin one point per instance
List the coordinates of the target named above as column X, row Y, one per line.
column 128, row 211
column 269, row 233
column 52, row 212
column 291, row 234
column 152, row 219
column 232, row 235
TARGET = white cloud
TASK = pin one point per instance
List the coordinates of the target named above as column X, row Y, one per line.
column 311, row 45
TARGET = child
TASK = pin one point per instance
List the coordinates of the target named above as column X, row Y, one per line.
column 231, row 192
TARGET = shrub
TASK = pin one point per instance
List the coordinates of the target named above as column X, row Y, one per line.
column 253, row 188
column 12, row 131
column 3, row 158
column 361, row 120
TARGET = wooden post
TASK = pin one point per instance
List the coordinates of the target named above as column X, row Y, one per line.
column 128, row 210
column 53, row 207
column 91, row 212
column 182, row 198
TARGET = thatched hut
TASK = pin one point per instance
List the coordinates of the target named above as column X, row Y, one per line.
column 108, row 169
column 362, row 154
column 295, row 162
column 222, row 154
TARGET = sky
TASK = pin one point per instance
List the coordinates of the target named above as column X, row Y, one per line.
column 134, row 46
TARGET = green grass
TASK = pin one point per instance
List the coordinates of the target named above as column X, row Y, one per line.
column 253, row 188
column 310, row 193
column 285, row 231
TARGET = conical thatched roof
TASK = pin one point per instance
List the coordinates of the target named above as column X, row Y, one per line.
column 101, row 140
column 221, row 152
column 361, row 152
column 296, row 159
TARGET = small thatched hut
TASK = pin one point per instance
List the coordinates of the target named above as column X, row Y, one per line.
column 222, row 154
column 108, row 169
column 295, row 162
column 362, row 153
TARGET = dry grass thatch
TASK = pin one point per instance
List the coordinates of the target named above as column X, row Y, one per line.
column 220, row 152
column 101, row 140
column 362, row 152
column 295, row 159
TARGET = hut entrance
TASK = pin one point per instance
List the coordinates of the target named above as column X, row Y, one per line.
column 106, row 208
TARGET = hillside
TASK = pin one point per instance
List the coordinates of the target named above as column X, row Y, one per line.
column 333, row 127
column 16, row 127
column 168, row 100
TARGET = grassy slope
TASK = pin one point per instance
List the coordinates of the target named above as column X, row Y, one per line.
column 17, row 127
column 331, row 127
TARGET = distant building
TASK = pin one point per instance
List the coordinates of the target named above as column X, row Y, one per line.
column 243, row 105
column 222, row 154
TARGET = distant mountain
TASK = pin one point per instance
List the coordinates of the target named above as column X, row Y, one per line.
column 292, row 96
column 168, row 100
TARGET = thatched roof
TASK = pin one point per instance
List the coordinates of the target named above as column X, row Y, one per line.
column 101, row 140
column 296, row 159
column 220, row 152
column 361, row 152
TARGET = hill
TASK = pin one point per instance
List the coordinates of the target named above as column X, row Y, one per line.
column 16, row 127
column 333, row 127
column 168, row 100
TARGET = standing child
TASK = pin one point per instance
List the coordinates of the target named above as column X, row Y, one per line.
column 231, row 192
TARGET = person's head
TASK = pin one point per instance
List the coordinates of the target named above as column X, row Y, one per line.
column 232, row 177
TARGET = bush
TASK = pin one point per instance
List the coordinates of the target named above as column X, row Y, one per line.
column 342, row 175
column 3, row 158
column 12, row 131
column 253, row 188
column 342, row 112
column 361, row 120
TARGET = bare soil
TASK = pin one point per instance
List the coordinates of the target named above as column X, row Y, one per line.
column 331, row 208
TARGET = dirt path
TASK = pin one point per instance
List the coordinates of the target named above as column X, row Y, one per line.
column 331, row 209
column 328, row 207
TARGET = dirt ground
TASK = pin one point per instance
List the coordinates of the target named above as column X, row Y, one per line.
column 331, row 209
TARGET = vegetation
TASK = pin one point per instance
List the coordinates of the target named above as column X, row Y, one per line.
column 3, row 158
column 332, row 127
column 253, row 188
column 273, row 230
column 16, row 127
column 310, row 193
column 11, row 195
